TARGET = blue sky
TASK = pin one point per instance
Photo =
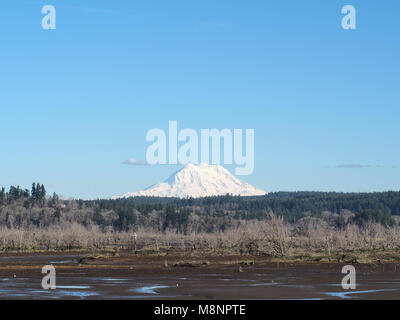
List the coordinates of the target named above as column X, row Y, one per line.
column 78, row 101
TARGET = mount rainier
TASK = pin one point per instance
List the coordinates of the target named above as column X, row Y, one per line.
column 197, row 181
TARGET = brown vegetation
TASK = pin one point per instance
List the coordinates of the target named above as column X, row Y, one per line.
column 273, row 238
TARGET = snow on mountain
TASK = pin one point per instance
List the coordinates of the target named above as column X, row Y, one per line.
column 198, row 181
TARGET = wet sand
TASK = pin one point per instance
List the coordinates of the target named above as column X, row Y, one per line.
column 130, row 276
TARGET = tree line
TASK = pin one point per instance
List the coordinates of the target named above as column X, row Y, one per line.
column 25, row 208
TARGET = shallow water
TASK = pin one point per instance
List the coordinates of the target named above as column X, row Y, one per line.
column 131, row 288
column 150, row 289
column 290, row 282
column 348, row 294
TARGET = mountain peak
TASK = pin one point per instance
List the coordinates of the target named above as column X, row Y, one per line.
column 197, row 181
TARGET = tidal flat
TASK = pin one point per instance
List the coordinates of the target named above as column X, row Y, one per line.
column 181, row 276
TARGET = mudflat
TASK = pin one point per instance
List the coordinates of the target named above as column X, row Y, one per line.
column 178, row 276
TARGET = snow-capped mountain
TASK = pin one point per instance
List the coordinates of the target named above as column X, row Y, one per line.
column 198, row 181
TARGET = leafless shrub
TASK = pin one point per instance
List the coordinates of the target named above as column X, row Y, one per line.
column 272, row 237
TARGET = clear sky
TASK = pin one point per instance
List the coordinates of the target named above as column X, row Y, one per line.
column 76, row 102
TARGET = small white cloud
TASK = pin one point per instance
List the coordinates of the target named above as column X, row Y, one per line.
column 351, row 166
column 135, row 162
